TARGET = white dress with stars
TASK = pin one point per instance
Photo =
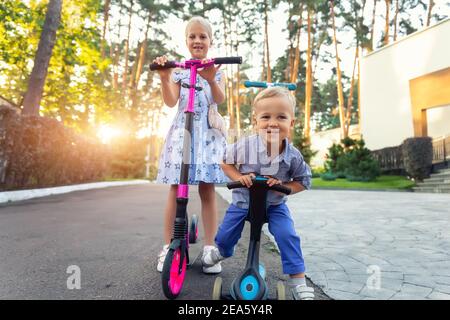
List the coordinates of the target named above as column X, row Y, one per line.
column 207, row 147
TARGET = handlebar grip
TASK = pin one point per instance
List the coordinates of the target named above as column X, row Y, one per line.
column 255, row 84
column 290, row 86
column 167, row 65
column 281, row 188
column 228, row 60
column 262, row 84
column 235, row 185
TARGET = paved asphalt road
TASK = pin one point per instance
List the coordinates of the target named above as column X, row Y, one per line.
column 113, row 235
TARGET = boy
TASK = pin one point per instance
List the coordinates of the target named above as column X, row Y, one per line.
column 267, row 153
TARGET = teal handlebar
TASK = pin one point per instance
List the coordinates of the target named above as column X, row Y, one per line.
column 263, row 84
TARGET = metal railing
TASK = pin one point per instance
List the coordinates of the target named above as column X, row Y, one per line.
column 441, row 149
column 389, row 159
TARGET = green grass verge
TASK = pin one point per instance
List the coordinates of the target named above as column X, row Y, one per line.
column 382, row 182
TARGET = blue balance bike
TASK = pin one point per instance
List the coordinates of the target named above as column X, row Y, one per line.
column 251, row 283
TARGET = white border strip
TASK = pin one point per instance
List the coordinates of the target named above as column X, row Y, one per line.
column 10, row 196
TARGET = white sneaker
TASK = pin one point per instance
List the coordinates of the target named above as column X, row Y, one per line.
column 162, row 257
column 302, row 292
column 211, row 260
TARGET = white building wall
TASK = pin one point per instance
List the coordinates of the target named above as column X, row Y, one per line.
column 386, row 117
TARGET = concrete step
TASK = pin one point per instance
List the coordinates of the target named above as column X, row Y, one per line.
column 440, row 189
column 427, row 184
column 437, row 179
column 441, row 174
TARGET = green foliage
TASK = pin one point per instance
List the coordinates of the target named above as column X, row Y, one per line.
column 352, row 160
column 418, row 157
column 335, row 152
column 128, row 158
column 41, row 152
column 328, row 176
column 317, row 172
column 302, row 144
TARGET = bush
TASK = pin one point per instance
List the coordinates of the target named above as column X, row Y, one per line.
column 302, row 144
column 359, row 163
column 352, row 160
column 328, row 176
column 317, row 172
column 41, row 152
column 335, row 152
column 128, row 158
column 418, row 157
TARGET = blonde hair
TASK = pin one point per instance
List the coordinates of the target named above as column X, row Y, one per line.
column 205, row 23
column 272, row 92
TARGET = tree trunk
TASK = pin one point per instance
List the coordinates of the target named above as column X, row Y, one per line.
column 105, row 23
column 238, row 106
column 117, row 51
column 430, row 8
column 339, row 80
column 372, row 27
column 227, row 93
column 41, row 61
column 359, row 97
column 308, row 85
column 295, row 67
column 350, row 98
column 127, row 48
column 116, row 67
column 386, row 26
column 263, row 73
column 395, row 20
column 266, row 32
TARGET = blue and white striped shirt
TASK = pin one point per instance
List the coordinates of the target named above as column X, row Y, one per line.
column 250, row 155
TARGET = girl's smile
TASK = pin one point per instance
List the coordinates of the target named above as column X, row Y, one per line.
column 198, row 41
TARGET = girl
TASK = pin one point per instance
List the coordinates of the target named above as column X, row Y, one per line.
column 205, row 143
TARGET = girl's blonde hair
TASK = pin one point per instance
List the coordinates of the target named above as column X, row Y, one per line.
column 272, row 92
column 205, row 23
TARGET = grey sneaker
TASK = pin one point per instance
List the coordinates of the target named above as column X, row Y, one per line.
column 302, row 292
column 211, row 260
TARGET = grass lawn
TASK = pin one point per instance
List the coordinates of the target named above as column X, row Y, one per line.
column 382, row 182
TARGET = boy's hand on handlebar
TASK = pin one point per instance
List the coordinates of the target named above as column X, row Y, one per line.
column 208, row 73
column 246, row 180
column 164, row 74
column 273, row 181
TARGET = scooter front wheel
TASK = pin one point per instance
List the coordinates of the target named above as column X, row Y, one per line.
column 217, row 290
column 172, row 276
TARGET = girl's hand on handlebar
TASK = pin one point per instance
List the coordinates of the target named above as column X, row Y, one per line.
column 164, row 74
column 208, row 73
column 246, row 180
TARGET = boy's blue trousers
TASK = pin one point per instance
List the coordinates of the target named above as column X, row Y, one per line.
column 281, row 226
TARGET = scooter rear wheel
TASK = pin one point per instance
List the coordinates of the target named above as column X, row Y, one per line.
column 217, row 290
column 172, row 279
column 193, row 230
column 281, row 291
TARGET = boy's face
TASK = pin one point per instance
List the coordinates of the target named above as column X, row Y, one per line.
column 198, row 41
column 274, row 119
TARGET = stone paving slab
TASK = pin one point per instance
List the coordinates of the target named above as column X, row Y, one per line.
column 374, row 245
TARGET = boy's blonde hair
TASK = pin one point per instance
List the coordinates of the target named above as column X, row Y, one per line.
column 272, row 92
column 205, row 23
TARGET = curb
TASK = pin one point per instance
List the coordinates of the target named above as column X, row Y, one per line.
column 19, row 195
column 360, row 189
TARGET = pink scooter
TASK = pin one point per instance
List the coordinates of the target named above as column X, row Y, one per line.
column 177, row 258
